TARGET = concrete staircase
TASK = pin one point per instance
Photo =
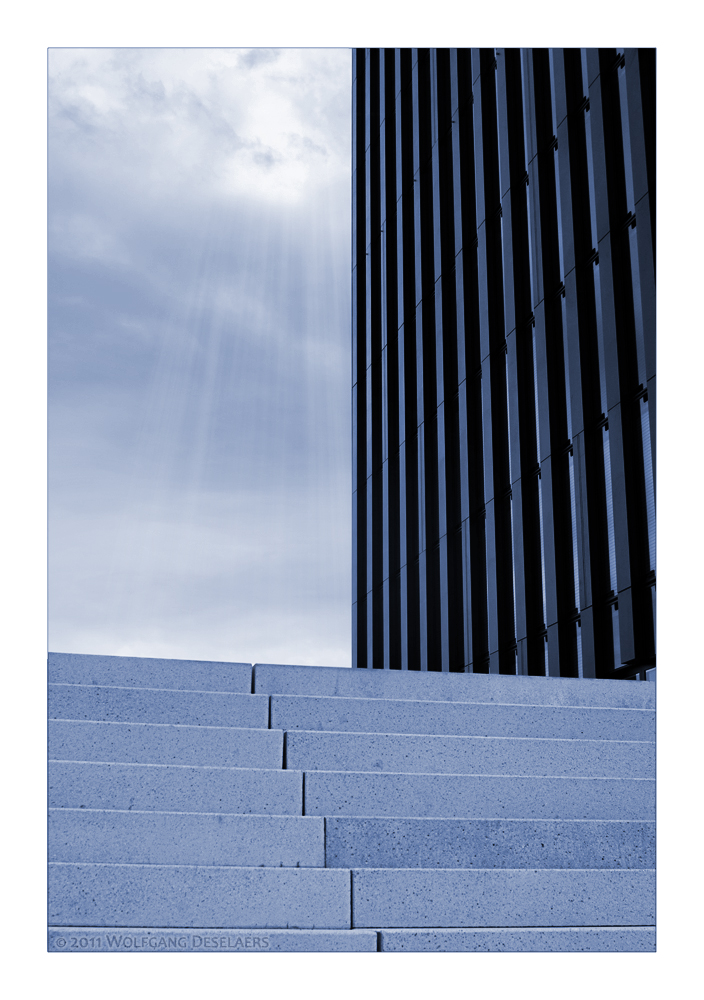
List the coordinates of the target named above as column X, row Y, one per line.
column 197, row 806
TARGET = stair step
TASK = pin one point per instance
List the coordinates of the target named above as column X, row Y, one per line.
column 408, row 897
column 275, row 678
column 145, row 743
column 357, row 842
column 519, row 939
column 185, row 838
column 213, row 939
column 350, row 793
column 375, row 715
column 162, row 706
column 163, row 787
column 102, row 895
column 312, row 751
column 143, row 671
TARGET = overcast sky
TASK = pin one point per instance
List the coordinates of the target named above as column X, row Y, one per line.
column 199, row 353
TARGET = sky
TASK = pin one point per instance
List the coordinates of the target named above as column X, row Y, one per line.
column 199, row 353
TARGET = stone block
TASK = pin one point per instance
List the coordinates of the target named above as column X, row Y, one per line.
column 91, row 785
column 186, row 708
column 143, row 743
column 349, row 793
column 195, row 896
column 310, row 751
column 377, row 715
column 145, row 671
column 151, row 940
column 270, row 678
column 185, row 838
column 405, row 897
column 520, row 939
column 356, row 842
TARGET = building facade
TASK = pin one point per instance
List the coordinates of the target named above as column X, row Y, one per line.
column 503, row 328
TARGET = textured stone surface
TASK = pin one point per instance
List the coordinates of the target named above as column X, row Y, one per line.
column 350, row 793
column 74, row 784
column 214, row 939
column 142, row 743
column 309, row 751
column 186, row 708
column 351, row 683
column 377, row 715
column 487, row 843
column 142, row 671
column 194, row 896
column 523, row 939
column 181, row 838
column 497, row 897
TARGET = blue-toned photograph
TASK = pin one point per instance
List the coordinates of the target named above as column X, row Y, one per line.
column 352, row 537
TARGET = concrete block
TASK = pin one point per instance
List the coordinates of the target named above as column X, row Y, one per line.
column 214, row 939
column 523, row 939
column 354, row 842
column 142, row 743
column 91, row 785
column 308, row 751
column 270, row 678
column 185, row 838
column 144, row 671
column 195, row 896
column 186, row 708
column 406, row 897
column 349, row 793
column 377, row 715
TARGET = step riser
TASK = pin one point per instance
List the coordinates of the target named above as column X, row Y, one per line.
column 184, row 708
column 127, row 940
column 573, row 939
column 501, row 898
column 355, row 683
column 459, row 719
column 140, row 743
column 458, row 843
column 179, row 789
column 108, row 836
column 310, row 751
column 138, row 671
column 164, row 896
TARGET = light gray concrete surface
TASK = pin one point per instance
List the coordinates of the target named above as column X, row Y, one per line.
column 142, row 671
column 213, row 939
column 354, row 842
column 521, row 939
column 272, row 678
column 195, row 896
column 185, row 708
column 142, row 743
column 183, row 838
column 350, row 793
column 306, row 751
column 406, row 897
column 91, row 785
column 377, row 715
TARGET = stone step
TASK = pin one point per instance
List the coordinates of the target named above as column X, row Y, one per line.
column 142, row 671
column 416, row 898
column 355, row 842
column 525, row 939
column 270, row 678
column 350, row 793
column 164, row 787
column 180, row 896
column 144, row 743
column 185, row 838
column 213, row 939
column 162, row 706
column 313, row 751
column 376, row 715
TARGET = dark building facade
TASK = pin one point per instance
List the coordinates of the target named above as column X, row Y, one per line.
column 503, row 293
